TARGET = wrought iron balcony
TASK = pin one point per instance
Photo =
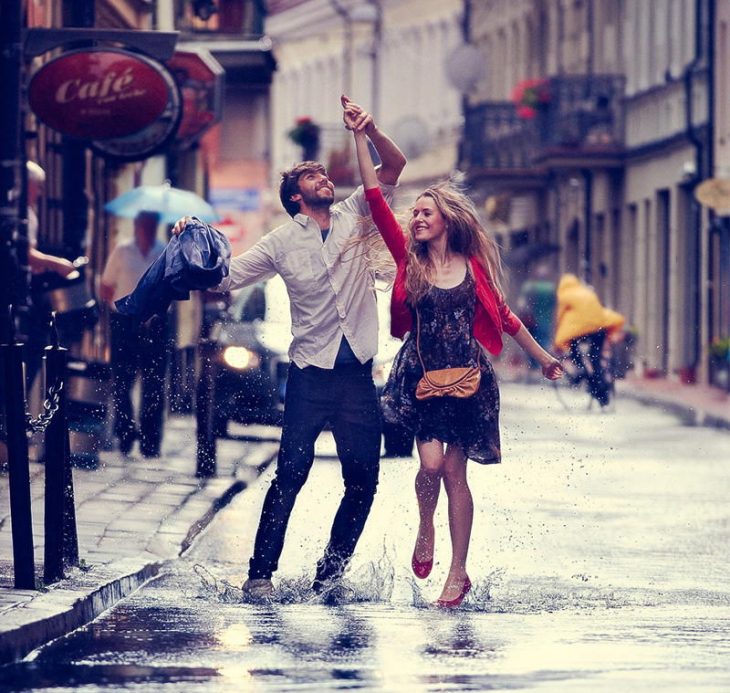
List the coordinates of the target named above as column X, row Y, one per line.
column 581, row 123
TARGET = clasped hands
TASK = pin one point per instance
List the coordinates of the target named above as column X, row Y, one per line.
column 355, row 117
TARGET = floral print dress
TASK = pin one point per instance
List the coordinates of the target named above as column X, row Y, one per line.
column 446, row 317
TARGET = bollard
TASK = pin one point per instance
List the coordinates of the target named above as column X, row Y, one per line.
column 87, row 396
column 206, row 452
column 11, row 357
column 61, row 540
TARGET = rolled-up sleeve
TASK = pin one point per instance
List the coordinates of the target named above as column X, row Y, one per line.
column 256, row 264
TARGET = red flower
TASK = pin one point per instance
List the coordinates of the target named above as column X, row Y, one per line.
column 526, row 112
column 530, row 94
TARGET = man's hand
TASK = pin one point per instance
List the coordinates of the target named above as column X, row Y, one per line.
column 180, row 225
column 355, row 117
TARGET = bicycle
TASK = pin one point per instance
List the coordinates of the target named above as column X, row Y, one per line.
column 589, row 374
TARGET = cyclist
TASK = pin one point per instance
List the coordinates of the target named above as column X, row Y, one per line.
column 582, row 319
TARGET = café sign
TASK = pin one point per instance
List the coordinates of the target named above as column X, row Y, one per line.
column 101, row 93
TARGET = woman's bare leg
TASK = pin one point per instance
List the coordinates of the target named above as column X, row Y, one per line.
column 461, row 516
column 428, row 486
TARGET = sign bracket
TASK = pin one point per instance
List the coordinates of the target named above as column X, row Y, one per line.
column 157, row 44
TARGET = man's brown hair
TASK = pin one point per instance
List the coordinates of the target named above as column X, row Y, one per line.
column 290, row 183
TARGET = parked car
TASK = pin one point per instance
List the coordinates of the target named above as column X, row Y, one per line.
column 247, row 348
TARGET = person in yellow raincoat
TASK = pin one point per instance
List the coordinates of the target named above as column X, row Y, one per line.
column 581, row 317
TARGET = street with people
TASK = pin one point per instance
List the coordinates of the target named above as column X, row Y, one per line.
column 597, row 560
column 378, row 344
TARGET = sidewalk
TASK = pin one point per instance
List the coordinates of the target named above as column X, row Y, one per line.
column 695, row 405
column 133, row 514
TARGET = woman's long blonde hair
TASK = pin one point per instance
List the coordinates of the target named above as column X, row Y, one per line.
column 465, row 234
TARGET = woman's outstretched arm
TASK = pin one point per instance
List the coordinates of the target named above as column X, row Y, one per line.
column 364, row 161
column 382, row 215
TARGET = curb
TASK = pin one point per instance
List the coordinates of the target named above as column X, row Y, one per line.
column 17, row 643
column 687, row 414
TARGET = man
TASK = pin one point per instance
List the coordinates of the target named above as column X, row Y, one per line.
column 136, row 347
column 334, row 328
column 38, row 261
column 38, row 318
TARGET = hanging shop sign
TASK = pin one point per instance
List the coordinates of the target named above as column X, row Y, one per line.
column 100, row 93
column 200, row 79
column 150, row 140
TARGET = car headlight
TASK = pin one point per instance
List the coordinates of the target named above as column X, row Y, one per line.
column 240, row 358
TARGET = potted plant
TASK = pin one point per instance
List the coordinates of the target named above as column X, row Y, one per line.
column 530, row 96
column 305, row 133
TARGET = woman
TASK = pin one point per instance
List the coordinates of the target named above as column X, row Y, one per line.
column 446, row 295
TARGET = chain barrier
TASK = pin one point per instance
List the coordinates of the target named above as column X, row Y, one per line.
column 50, row 406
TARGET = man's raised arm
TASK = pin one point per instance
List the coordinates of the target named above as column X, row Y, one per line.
column 391, row 157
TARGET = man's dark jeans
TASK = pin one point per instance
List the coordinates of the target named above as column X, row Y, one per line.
column 345, row 397
column 140, row 348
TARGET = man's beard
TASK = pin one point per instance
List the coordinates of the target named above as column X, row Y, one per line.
column 314, row 201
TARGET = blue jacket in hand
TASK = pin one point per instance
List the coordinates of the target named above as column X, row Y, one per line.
column 197, row 259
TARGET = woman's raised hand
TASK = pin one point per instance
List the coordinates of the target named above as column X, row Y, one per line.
column 355, row 117
column 552, row 369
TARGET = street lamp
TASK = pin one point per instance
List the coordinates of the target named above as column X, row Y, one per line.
column 367, row 12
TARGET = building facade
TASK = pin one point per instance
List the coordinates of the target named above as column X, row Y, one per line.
column 388, row 55
column 601, row 153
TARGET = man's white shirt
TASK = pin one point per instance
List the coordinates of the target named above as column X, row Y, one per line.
column 126, row 265
column 331, row 288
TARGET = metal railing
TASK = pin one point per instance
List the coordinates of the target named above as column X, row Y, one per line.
column 61, row 542
column 584, row 115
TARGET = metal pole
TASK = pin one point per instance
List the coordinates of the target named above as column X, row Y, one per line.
column 11, row 357
column 588, row 224
column 204, row 405
column 61, row 542
column 76, row 13
column 347, row 47
column 375, row 59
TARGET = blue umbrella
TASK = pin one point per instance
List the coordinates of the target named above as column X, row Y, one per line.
column 171, row 203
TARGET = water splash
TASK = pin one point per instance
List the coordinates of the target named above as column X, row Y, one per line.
column 377, row 582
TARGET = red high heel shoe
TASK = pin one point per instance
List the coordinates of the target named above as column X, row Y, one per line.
column 453, row 603
column 421, row 569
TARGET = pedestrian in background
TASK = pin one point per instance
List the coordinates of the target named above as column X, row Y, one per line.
column 136, row 348
column 39, row 262
column 335, row 330
column 581, row 317
column 536, row 307
column 447, row 298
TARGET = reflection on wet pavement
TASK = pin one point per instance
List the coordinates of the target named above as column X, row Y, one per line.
column 599, row 557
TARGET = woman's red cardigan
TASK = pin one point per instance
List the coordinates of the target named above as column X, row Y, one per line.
column 492, row 315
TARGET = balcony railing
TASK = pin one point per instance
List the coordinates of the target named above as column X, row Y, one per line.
column 494, row 137
column 583, row 118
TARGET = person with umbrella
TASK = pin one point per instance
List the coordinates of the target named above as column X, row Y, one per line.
column 136, row 347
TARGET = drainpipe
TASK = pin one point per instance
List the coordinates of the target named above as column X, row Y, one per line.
column 466, row 35
column 347, row 50
column 700, row 172
column 588, row 224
